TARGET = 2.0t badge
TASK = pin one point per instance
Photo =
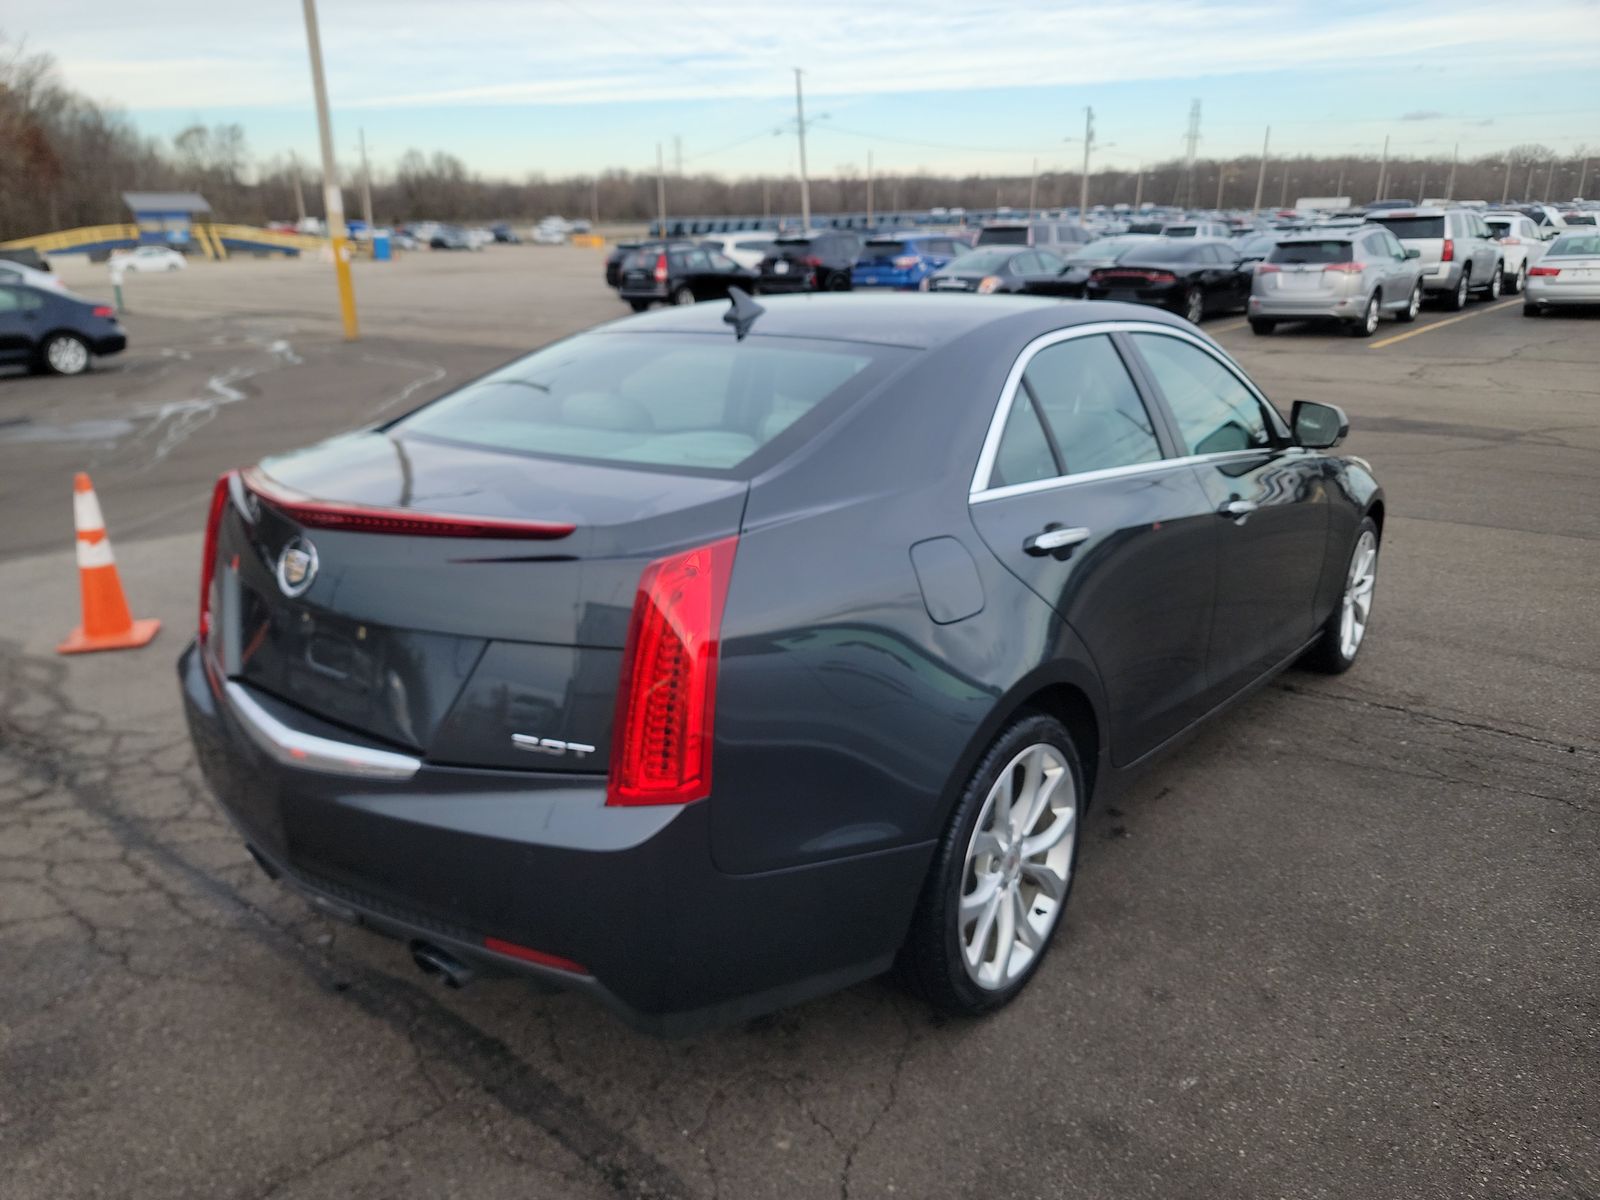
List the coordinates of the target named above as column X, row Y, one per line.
column 297, row 566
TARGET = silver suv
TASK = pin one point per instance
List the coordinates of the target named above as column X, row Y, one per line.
column 1459, row 253
column 1347, row 275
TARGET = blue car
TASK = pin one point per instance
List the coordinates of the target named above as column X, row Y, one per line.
column 904, row 260
column 47, row 330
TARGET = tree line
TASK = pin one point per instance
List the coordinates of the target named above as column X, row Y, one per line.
column 65, row 161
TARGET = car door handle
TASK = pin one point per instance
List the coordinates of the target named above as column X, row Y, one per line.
column 1237, row 509
column 1054, row 538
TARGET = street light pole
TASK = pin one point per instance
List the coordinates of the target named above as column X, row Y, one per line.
column 366, row 185
column 661, row 194
column 1088, row 144
column 805, row 184
column 869, row 189
column 332, row 198
column 1450, row 185
column 1261, row 175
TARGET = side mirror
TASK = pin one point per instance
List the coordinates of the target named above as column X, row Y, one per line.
column 1413, row 252
column 1318, row 426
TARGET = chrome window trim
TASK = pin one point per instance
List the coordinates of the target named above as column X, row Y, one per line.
column 309, row 752
column 981, row 491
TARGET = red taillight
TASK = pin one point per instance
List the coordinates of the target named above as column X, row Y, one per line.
column 661, row 268
column 208, row 561
column 1161, row 277
column 907, row 261
column 811, row 260
column 1267, row 268
column 1544, row 271
column 1448, row 254
column 667, row 698
column 1349, row 268
column 1511, row 241
column 104, row 310
column 358, row 518
column 512, row 950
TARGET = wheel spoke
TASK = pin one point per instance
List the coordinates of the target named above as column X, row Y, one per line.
column 1039, row 843
column 1005, row 937
column 980, row 934
column 1030, row 936
column 974, row 902
column 1000, row 818
column 987, row 843
column 1046, row 880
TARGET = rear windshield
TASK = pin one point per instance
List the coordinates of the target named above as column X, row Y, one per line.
column 1004, row 235
column 1501, row 227
column 1576, row 243
column 1413, row 227
column 690, row 401
column 979, row 262
column 1144, row 227
column 1106, row 248
column 1180, row 231
column 1310, row 252
column 884, row 250
column 1579, row 219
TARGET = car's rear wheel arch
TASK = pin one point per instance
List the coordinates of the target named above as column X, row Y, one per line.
column 1376, row 513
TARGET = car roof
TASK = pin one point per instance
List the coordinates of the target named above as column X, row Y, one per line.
column 914, row 320
column 1328, row 233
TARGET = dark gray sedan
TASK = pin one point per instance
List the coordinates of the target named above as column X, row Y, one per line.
column 708, row 669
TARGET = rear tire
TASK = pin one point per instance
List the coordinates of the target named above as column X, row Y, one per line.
column 1518, row 281
column 1456, row 300
column 1531, row 310
column 65, row 354
column 1194, row 306
column 683, row 296
column 839, row 282
column 1336, row 650
column 1367, row 324
column 1413, row 306
column 1261, row 327
column 639, row 305
column 937, row 960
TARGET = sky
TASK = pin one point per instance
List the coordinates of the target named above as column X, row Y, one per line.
column 565, row 87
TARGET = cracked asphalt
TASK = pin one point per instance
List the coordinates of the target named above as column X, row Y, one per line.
column 1341, row 943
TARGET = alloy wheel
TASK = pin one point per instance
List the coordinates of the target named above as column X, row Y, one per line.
column 1415, row 304
column 1495, row 282
column 1520, row 284
column 1018, row 864
column 67, row 355
column 1463, row 291
column 1370, row 321
column 1194, row 306
column 1357, row 603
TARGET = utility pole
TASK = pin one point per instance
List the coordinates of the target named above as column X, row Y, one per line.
column 1506, row 190
column 1450, row 184
column 766, row 197
column 677, row 155
column 1033, row 188
column 1422, row 187
column 1138, row 188
column 800, row 126
column 1088, row 145
column 1549, row 177
column 332, row 198
column 1383, row 169
column 299, row 193
column 869, row 189
column 1527, row 191
column 1283, row 190
column 594, row 200
column 1261, row 175
column 366, row 186
column 1222, row 178
column 661, row 194
column 1191, row 142
column 1583, row 178
column 1338, row 188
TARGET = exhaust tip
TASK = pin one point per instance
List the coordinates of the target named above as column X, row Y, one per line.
column 437, row 964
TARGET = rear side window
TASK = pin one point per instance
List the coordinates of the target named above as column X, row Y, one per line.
column 1215, row 412
column 685, row 401
column 1413, row 227
column 1091, row 406
column 1310, row 252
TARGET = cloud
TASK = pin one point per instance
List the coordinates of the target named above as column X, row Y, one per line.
column 1424, row 114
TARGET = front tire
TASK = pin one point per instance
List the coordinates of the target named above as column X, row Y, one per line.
column 1002, row 874
column 65, row 354
column 1531, row 310
column 639, row 305
column 1413, row 306
column 839, row 282
column 1261, row 326
column 1518, row 281
column 683, row 296
column 1346, row 627
column 1194, row 306
column 1496, row 281
column 1456, row 300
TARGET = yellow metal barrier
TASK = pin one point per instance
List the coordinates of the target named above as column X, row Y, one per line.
column 592, row 240
column 70, row 239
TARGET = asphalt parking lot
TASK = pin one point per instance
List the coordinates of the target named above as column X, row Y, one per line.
column 1340, row 944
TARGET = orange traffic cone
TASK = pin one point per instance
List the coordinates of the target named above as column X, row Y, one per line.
column 107, row 624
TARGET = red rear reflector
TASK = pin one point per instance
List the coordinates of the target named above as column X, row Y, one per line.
column 358, row 518
column 1448, row 254
column 661, row 268
column 1349, row 268
column 667, row 700
column 1546, row 271
column 512, row 950
column 104, row 310
column 208, row 559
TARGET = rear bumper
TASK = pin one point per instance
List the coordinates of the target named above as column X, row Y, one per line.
column 1442, row 277
column 452, row 856
column 1342, row 308
column 111, row 343
column 1168, row 296
column 779, row 284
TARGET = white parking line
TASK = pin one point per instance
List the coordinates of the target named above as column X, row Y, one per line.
column 1411, row 333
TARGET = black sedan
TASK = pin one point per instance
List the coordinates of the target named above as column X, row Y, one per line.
column 1193, row 278
column 674, row 664
column 680, row 276
column 1007, row 269
column 47, row 330
column 1103, row 253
